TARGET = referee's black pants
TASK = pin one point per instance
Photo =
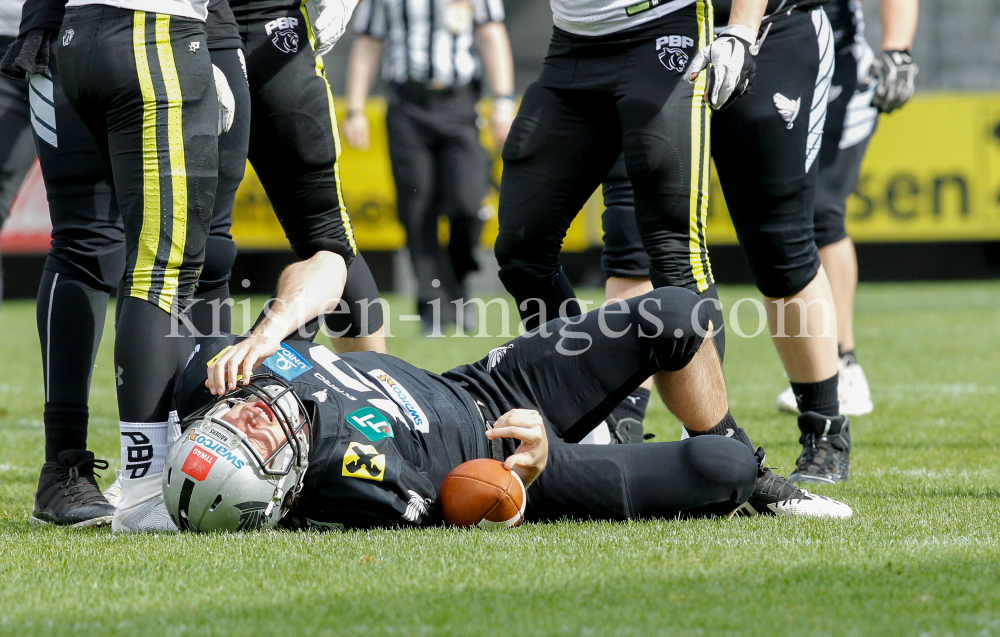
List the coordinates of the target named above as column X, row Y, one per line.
column 440, row 169
column 574, row 371
column 143, row 85
column 596, row 97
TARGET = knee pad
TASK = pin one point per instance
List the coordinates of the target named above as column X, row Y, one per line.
column 782, row 264
column 829, row 227
column 676, row 320
column 722, row 467
column 220, row 254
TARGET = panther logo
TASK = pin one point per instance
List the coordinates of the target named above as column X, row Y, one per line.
column 286, row 40
column 674, row 59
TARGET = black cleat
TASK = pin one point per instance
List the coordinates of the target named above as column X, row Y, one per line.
column 68, row 494
column 774, row 495
column 826, row 449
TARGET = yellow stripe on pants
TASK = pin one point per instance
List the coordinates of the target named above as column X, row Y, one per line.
column 344, row 217
column 698, row 200
column 178, row 167
column 149, row 235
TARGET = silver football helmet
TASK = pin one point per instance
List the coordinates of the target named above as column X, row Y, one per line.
column 215, row 479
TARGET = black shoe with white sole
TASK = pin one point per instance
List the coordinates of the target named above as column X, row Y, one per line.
column 775, row 495
column 826, row 449
column 68, row 494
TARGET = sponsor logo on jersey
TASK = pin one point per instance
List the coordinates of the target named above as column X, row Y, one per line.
column 220, row 449
column 323, row 379
column 402, row 398
column 787, row 108
column 371, row 423
column 363, row 461
column 416, row 508
column 639, row 7
column 283, row 35
column 199, row 462
column 194, row 46
column 287, row 363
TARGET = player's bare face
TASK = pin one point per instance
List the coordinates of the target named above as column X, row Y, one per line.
column 257, row 421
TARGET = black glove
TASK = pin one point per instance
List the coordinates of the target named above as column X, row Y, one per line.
column 28, row 54
column 893, row 72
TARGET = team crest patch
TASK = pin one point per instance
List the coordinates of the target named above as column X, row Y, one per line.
column 371, row 423
column 364, row 461
column 283, row 35
column 287, row 363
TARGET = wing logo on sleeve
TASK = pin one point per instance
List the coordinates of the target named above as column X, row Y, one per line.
column 371, row 423
column 402, row 398
column 364, row 461
column 287, row 363
column 787, row 108
column 496, row 355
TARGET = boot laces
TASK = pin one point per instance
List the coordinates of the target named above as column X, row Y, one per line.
column 75, row 483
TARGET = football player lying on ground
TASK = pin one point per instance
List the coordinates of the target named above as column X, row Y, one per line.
column 365, row 439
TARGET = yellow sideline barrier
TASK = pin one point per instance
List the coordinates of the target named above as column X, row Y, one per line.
column 932, row 173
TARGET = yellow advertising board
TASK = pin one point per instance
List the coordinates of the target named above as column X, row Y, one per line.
column 932, row 173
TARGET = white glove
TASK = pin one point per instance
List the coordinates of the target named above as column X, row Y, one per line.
column 730, row 63
column 227, row 103
column 329, row 21
column 893, row 72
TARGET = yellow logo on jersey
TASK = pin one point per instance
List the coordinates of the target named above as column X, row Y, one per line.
column 363, row 461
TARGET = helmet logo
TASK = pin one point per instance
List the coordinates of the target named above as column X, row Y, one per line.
column 364, row 461
column 199, row 462
column 252, row 516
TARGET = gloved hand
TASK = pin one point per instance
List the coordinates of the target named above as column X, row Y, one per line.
column 329, row 21
column 893, row 72
column 730, row 63
column 227, row 103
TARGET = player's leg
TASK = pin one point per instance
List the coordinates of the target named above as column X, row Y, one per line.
column 560, row 147
column 765, row 149
column 155, row 116
column 295, row 144
column 211, row 310
column 357, row 326
column 704, row 476
column 17, row 152
column 85, row 262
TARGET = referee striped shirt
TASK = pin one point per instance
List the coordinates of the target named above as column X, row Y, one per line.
column 427, row 41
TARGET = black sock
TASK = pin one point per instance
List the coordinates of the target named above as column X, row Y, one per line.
column 818, row 397
column 849, row 357
column 633, row 407
column 727, row 427
column 65, row 428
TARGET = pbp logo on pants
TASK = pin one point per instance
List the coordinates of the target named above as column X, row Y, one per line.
column 283, row 35
column 671, row 51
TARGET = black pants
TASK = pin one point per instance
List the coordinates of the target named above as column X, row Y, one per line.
column 596, row 97
column 441, row 170
column 766, row 147
column 16, row 152
column 295, row 149
column 575, row 377
column 850, row 122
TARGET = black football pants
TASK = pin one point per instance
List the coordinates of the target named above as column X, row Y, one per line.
column 575, row 376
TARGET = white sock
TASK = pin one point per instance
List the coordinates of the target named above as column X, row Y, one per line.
column 173, row 427
column 144, row 448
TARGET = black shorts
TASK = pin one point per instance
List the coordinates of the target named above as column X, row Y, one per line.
column 574, row 377
column 766, row 147
column 143, row 85
column 597, row 97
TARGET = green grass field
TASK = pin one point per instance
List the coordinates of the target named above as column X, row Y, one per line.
column 921, row 555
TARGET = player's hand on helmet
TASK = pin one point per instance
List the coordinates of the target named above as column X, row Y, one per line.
column 356, row 130
column 894, row 73
column 730, row 64
column 238, row 362
column 532, row 454
column 227, row 103
column 329, row 22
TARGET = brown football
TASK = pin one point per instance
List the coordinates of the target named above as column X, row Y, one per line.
column 482, row 493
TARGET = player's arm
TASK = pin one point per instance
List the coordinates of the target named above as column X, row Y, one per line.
column 361, row 69
column 894, row 69
column 729, row 60
column 305, row 290
column 532, row 454
column 494, row 45
column 329, row 20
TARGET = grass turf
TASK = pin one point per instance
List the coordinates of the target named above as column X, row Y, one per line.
column 920, row 556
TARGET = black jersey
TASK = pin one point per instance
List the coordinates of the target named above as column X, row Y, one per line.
column 721, row 8
column 385, row 433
